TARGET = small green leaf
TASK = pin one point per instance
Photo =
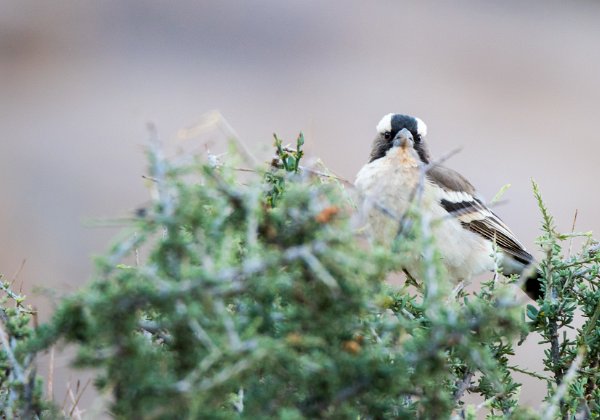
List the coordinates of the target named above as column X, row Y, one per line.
column 300, row 141
column 290, row 163
column 532, row 312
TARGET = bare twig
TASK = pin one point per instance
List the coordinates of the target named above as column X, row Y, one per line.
column 17, row 273
column 463, row 385
column 555, row 402
column 572, row 231
column 50, row 388
column 321, row 272
column 64, row 404
column 327, row 175
column 78, row 396
column 528, row 372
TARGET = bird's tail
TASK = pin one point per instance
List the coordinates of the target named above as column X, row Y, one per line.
column 533, row 285
column 526, row 267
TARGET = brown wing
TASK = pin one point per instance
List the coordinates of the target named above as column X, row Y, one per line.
column 450, row 180
column 460, row 200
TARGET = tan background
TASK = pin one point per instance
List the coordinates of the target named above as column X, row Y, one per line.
column 515, row 83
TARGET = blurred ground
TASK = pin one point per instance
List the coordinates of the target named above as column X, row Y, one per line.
column 515, row 83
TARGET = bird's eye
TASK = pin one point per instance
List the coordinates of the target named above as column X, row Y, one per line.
column 418, row 138
column 387, row 135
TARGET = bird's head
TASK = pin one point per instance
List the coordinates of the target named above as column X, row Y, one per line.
column 400, row 130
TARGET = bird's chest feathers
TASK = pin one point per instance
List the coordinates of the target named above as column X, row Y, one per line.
column 406, row 158
column 390, row 181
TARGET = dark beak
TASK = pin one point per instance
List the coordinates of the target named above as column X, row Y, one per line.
column 403, row 138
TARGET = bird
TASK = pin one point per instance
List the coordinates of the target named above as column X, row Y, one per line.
column 466, row 232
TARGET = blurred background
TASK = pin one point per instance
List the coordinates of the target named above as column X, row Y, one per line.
column 514, row 83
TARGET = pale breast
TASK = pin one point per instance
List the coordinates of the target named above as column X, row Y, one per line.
column 388, row 188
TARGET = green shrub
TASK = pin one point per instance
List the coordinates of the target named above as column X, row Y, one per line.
column 226, row 299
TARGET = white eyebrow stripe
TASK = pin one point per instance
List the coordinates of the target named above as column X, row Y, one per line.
column 385, row 125
column 421, row 127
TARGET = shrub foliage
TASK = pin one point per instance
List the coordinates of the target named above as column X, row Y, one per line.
column 254, row 299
